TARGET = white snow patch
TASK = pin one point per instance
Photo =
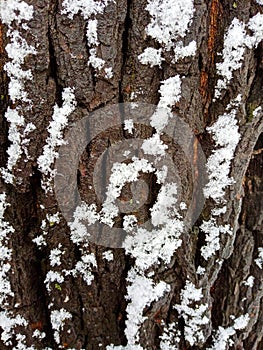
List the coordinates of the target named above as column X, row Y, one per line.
column 128, row 125
column 148, row 292
column 170, row 338
column 95, row 61
column 194, row 315
column 259, row 260
column 161, row 174
column 170, row 91
column 164, row 208
column 249, row 281
column 226, row 136
column 7, row 324
column 235, row 43
column 121, row 174
column 58, row 319
column 154, row 146
column 233, row 52
column 55, row 256
column 129, row 222
column 181, row 51
column 5, row 253
column 86, row 8
column 222, row 339
column 156, row 246
column 151, row 56
column 56, row 127
column 78, row 230
column 108, row 255
column 17, row 50
column 169, row 20
column 51, row 277
column 108, row 72
column 92, row 36
column 38, row 334
column 212, row 238
column 18, row 141
column 15, row 13
column 200, row 270
column 84, row 268
column 15, row 10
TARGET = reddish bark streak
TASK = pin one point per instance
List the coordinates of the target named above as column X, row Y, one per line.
column 215, row 14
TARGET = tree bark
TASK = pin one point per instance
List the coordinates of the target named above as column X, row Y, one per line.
column 99, row 310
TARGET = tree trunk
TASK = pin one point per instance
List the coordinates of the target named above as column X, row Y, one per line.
column 196, row 284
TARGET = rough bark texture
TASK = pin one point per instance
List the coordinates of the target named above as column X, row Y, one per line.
column 99, row 310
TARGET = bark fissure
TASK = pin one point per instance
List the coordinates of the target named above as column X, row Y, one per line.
column 53, row 74
column 125, row 49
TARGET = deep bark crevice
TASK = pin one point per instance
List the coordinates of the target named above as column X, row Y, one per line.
column 53, row 66
column 255, row 98
column 125, row 47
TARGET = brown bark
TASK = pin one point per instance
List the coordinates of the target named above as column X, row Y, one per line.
column 99, row 310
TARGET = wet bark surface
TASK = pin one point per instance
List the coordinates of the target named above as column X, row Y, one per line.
column 99, row 310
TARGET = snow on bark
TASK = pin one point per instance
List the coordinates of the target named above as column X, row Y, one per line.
column 6, row 230
column 194, row 315
column 170, row 21
column 55, row 256
column 56, row 127
column 213, row 231
column 148, row 292
column 15, row 14
column 84, row 268
column 226, row 137
column 128, row 125
column 53, row 277
column 236, row 41
column 121, row 173
column 259, row 259
column 8, row 323
column 151, row 56
column 58, row 319
column 49, row 221
column 8, row 320
column 222, row 338
column 170, row 338
column 149, row 248
column 108, row 255
column 89, row 10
